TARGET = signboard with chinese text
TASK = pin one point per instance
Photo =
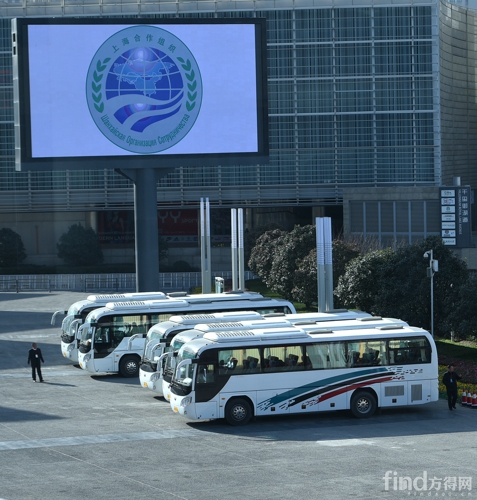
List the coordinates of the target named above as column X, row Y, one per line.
column 456, row 226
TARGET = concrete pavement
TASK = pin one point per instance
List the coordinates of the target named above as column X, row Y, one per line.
column 78, row 436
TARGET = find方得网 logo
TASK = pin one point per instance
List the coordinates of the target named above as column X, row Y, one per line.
column 144, row 89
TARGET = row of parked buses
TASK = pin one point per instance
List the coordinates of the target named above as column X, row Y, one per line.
column 239, row 354
column 107, row 333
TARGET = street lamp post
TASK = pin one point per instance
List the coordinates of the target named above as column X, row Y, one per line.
column 431, row 270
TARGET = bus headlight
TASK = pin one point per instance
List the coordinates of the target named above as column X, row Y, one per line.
column 70, row 347
column 154, row 377
column 186, row 401
column 87, row 357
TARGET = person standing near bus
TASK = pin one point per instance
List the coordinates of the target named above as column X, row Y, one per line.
column 450, row 379
column 35, row 359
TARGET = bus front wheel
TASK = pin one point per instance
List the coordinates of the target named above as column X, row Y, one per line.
column 238, row 411
column 363, row 404
column 129, row 366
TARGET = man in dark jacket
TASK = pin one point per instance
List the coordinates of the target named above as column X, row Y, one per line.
column 35, row 359
column 450, row 379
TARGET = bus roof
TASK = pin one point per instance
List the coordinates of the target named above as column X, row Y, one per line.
column 251, row 319
column 263, row 336
column 257, row 334
column 240, row 294
column 190, row 320
column 200, row 330
column 103, row 299
column 167, row 305
column 333, row 315
column 308, row 326
column 126, row 296
column 273, row 323
column 217, row 316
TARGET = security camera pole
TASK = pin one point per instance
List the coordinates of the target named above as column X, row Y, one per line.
column 431, row 270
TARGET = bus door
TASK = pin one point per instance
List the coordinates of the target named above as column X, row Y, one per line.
column 102, row 341
column 207, row 387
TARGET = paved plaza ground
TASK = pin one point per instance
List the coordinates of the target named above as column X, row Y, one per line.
column 78, row 436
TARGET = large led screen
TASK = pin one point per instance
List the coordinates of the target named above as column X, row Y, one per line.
column 130, row 93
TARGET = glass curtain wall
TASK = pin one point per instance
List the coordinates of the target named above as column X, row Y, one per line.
column 353, row 100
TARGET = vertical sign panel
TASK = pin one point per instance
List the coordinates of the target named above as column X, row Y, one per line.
column 456, row 227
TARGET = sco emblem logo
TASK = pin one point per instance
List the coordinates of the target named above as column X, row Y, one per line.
column 144, row 89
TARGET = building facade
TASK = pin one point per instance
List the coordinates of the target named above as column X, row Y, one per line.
column 361, row 95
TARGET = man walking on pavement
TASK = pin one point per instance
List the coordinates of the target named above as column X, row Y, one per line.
column 35, row 359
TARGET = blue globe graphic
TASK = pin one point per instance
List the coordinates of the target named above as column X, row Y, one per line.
column 145, row 83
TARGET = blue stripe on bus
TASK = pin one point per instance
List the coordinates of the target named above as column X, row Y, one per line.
column 368, row 379
column 346, row 378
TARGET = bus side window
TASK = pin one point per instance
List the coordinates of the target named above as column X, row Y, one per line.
column 136, row 329
column 275, row 360
column 205, row 374
column 118, row 335
column 317, row 357
column 254, row 364
column 425, row 355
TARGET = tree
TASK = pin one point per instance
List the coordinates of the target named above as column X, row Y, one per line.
column 305, row 283
column 262, row 254
column 251, row 236
column 80, row 246
column 463, row 318
column 287, row 254
column 395, row 284
column 286, row 262
column 357, row 287
column 343, row 252
column 12, row 251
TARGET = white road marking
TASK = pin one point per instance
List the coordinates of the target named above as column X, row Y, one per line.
column 46, row 372
column 347, row 442
column 101, row 439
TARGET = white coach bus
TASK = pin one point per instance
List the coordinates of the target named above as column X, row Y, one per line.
column 113, row 337
column 241, row 374
column 77, row 312
column 160, row 335
column 318, row 327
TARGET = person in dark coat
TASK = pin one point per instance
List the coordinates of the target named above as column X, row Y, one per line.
column 35, row 359
column 450, row 379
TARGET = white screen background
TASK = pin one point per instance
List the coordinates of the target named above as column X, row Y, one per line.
column 61, row 124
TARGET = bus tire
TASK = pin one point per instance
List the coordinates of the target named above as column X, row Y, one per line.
column 238, row 411
column 129, row 366
column 363, row 404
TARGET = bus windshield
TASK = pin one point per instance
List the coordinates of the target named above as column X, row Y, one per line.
column 65, row 326
column 185, row 374
column 72, row 313
column 176, row 344
column 150, row 349
column 87, row 332
column 171, row 362
column 154, row 334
